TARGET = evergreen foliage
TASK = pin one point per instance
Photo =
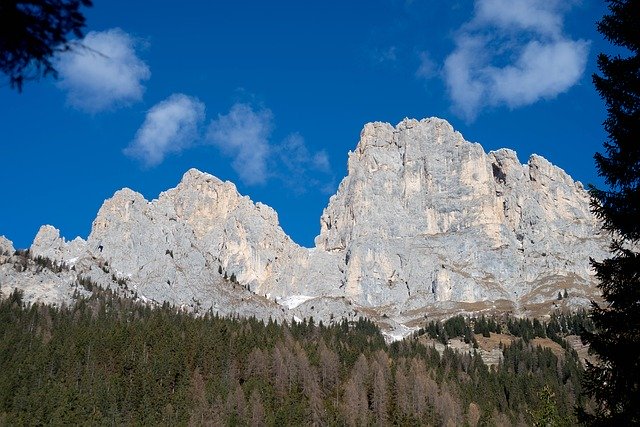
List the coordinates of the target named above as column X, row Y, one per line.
column 31, row 32
column 109, row 360
column 559, row 325
column 614, row 381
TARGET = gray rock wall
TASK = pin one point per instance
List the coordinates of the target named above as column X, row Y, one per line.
column 423, row 220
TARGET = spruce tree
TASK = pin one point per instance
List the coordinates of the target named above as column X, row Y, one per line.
column 32, row 32
column 613, row 380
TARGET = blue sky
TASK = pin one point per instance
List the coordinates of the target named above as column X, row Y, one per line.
column 273, row 95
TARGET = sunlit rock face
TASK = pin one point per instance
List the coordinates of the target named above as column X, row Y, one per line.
column 425, row 216
column 423, row 220
column 6, row 246
column 201, row 229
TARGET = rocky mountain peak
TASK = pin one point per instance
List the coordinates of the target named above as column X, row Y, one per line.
column 49, row 244
column 6, row 246
column 424, row 215
column 194, row 176
column 423, row 222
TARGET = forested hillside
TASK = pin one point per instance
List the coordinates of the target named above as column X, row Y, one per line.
column 108, row 360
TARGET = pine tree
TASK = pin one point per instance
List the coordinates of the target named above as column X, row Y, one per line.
column 32, row 32
column 614, row 381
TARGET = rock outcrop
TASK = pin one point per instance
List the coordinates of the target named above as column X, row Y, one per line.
column 424, row 221
column 425, row 216
column 6, row 246
column 200, row 231
column 49, row 244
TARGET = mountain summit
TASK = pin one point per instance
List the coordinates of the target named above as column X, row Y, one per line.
column 424, row 223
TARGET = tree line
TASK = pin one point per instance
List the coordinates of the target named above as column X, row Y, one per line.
column 559, row 325
column 111, row 360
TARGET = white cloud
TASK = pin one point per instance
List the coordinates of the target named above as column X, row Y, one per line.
column 543, row 70
column 542, row 62
column 103, row 72
column 169, row 127
column 427, row 67
column 388, row 54
column 174, row 124
column 301, row 168
column 294, row 155
column 465, row 90
column 539, row 16
column 244, row 135
column 320, row 162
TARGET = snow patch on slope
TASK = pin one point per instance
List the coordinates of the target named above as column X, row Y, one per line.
column 293, row 301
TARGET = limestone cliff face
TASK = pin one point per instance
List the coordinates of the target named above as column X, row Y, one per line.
column 423, row 220
column 49, row 244
column 200, row 230
column 6, row 246
column 425, row 216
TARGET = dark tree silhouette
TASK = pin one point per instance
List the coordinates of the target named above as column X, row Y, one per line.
column 613, row 382
column 32, row 31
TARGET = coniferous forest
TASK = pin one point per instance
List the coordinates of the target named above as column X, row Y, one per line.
column 109, row 360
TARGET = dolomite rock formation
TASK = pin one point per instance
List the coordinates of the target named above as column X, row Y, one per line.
column 200, row 230
column 49, row 244
column 424, row 221
column 6, row 246
column 424, row 216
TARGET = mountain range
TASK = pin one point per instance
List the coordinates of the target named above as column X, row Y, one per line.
column 425, row 224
